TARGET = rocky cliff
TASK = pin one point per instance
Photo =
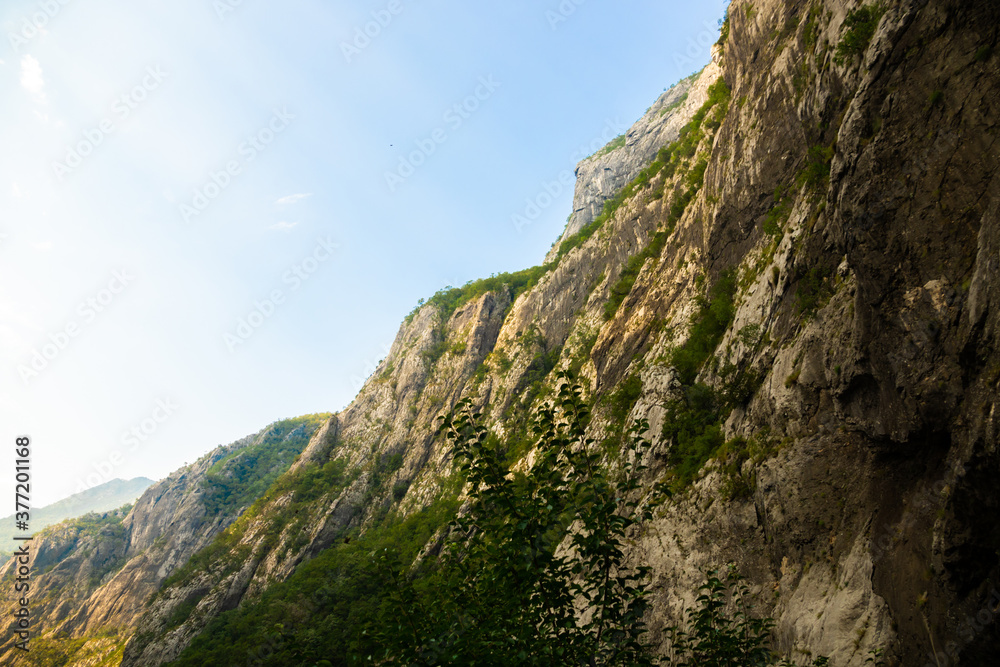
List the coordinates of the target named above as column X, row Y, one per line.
column 607, row 171
column 795, row 283
column 94, row 575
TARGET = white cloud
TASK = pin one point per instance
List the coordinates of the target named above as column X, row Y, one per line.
column 31, row 78
column 15, row 191
column 293, row 199
column 42, row 246
column 283, row 226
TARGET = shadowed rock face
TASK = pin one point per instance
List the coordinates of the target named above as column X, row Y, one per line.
column 858, row 203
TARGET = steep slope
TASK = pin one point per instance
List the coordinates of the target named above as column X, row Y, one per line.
column 93, row 575
column 101, row 498
column 800, row 294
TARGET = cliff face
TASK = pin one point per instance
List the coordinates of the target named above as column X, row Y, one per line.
column 837, row 201
column 607, row 171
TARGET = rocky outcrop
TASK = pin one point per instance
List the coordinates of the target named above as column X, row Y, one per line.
column 607, row 171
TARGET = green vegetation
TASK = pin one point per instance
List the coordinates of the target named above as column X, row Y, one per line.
column 693, row 423
column 181, row 613
column 544, row 360
column 668, row 160
column 435, row 352
column 226, row 553
column 96, row 528
column 587, row 340
column 816, row 173
column 610, row 206
column 717, row 638
column 857, row 32
column 623, row 399
column 708, row 325
column 812, row 28
column 774, row 223
column 451, row 299
column 103, row 649
column 332, row 606
column 788, row 28
column 489, row 586
column 613, row 145
column 773, row 227
column 674, row 105
column 628, row 276
column 500, row 592
column 724, row 28
column 503, row 595
column 530, row 389
column 238, row 479
column 813, row 291
column 104, row 524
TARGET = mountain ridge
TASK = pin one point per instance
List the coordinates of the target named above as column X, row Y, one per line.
column 101, row 498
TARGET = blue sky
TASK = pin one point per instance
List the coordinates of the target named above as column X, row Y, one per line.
column 173, row 168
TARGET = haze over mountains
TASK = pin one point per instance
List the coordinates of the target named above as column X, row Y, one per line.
column 102, row 498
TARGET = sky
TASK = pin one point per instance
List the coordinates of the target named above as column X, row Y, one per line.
column 214, row 214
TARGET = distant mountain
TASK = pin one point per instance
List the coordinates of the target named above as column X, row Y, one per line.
column 108, row 496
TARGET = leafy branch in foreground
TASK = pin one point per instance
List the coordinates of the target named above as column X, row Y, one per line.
column 717, row 637
column 506, row 592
